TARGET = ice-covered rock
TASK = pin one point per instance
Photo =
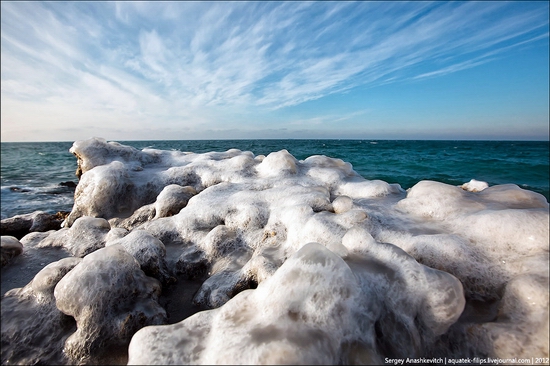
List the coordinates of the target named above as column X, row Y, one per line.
column 475, row 186
column 277, row 164
column 97, row 151
column 303, row 314
column 172, row 199
column 292, row 261
column 110, row 298
column 149, row 252
column 33, row 329
column 85, row 236
column 10, row 247
column 38, row 221
column 112, row 197
column 315, row 309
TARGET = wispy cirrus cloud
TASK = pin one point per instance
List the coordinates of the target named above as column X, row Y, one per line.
column 171, row 58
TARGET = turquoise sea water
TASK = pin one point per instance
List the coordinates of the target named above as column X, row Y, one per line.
column 31, row 173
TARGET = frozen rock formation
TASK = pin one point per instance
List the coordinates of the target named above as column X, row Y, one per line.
column 316, row 309
column 474, row 186
column 37, row 221
column 33, row 329
column 290, row 261
column 10, row 247
column 149, row 252
column 85, row 236
column 110, row 298
column 172, row 199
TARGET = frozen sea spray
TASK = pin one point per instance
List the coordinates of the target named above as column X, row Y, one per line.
column 292, row 255
column 33, row 329
column 10, row 248
column 85, row 236
column 110, row 298
column 315, row 309
column 303, row 314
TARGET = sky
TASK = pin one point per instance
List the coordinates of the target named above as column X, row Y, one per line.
column 274, row 70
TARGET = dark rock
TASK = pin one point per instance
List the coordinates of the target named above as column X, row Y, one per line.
column 20, row 225
column 17, row 189
column 10, row 248
column 68, row 183
column 63, row 188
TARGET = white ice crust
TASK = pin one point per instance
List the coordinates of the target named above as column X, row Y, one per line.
column 110, row 298
column 475, row 186
column 300, row 261
column 10, row 247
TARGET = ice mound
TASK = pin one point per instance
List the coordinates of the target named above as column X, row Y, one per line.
column 10, row 247
column 85, row 236
column 149, row 252
column 96, row 151
column 33, row 329
column 172, row 199
column 110, row 298
column 475, row 186
column 277, row 163
column 315, row 309
column 284, row 261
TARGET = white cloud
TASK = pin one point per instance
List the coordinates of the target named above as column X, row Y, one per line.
column 153, row 51
column 327, row 120
column 171, row 59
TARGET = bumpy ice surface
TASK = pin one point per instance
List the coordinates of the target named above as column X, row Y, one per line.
column 289, row 261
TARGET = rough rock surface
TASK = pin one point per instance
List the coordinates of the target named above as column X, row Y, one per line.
column 38, row 221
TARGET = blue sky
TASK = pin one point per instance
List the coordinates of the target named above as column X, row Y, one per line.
column 223, row 70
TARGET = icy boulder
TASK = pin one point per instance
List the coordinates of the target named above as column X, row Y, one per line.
column 149, row 252
column 33, row 329
column 277, row 164
column 474, row 186
column 315, row 309
column 10, row 247
column 110, row 298
column 85, row 236
column 104, row 191
column 97, row 151
column 172, row 199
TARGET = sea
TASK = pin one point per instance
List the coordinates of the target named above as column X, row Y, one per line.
column 38, row 175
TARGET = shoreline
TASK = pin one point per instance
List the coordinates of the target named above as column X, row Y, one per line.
column 402, row 162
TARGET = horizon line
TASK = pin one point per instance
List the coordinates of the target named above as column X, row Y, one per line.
column 290, row 138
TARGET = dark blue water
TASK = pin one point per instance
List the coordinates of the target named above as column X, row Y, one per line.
column 31, row 172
